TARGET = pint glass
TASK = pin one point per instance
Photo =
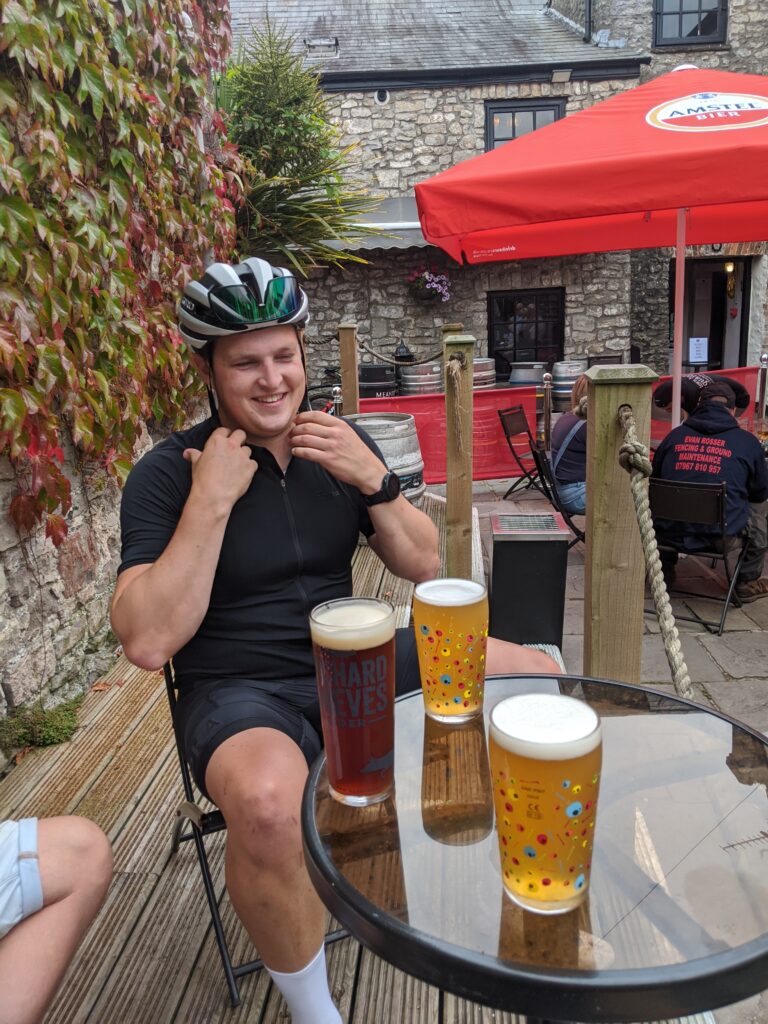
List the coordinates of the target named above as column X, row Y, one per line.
column 546, row 753
column 450, row 618
column 354, row 645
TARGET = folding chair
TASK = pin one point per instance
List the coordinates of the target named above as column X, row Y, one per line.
column 548, row 488
column 699, row 504
column 520, row 440
column 202, row 824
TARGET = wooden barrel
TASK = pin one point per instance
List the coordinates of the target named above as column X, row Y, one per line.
column 425, row 379
column 564, row 376
column 395, row 434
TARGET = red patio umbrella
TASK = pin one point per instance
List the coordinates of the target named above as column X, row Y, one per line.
column 681, row 159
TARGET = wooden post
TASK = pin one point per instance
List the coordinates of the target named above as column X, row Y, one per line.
column 458, row 350
column 350, row 388
column 615, row 567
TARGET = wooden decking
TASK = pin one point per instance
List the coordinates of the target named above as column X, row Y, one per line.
column 150, row 957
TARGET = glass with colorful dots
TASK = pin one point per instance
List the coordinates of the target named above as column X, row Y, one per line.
column 546, row 753
column 450, row 618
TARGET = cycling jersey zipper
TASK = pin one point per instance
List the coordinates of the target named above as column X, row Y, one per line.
column 296, row 545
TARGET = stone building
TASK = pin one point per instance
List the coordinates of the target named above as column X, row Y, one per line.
column 419, row 85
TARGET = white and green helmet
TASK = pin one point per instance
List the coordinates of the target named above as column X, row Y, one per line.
column 234, row 298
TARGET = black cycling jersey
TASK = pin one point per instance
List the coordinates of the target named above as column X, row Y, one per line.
column 287, row 546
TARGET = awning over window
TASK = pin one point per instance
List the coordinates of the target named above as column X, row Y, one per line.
column 398, row 221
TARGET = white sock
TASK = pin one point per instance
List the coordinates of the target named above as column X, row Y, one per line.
column 306, row 993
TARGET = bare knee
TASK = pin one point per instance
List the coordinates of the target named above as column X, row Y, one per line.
column 75, row 858
column 263, row 820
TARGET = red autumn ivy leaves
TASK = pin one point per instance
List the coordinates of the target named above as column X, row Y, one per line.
column 107, row 205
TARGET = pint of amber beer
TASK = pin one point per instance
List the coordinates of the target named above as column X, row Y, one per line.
column 450, row 618
column 354, row 644
column 546, row 753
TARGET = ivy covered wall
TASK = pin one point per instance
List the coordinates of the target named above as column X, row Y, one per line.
column 115, row 183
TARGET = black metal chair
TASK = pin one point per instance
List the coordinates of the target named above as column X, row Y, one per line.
column 698, row 504
column 193, row 823
column 548, row 487
column 520, row 440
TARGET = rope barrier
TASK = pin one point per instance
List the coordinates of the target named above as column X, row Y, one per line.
column 633, row 457
column 400, row 362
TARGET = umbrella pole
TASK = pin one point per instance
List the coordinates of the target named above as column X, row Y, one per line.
column 677, row 350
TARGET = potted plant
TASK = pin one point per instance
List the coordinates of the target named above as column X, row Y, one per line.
column 429, row 286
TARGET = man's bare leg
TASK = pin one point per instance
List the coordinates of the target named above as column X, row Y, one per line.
column 75, row 861
column 504, row 658
column 256, row 778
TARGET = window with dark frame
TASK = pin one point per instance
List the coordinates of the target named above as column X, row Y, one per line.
column 526, row 327
column 509, row 119
column 689, row 22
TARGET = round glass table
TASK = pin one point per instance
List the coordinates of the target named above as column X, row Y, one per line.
column 676, row 917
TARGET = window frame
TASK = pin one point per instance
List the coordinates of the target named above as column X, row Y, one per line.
column 718, row 38
column 518, row 107
column 523, row 295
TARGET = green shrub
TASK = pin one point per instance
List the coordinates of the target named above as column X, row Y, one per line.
column 38, row 726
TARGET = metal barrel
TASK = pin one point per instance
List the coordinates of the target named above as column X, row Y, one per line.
column 564, row 376
column 395, row 434
column 376, row 380
column 425, row 379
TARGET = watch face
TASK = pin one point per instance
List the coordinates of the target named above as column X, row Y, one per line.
column 391, row 486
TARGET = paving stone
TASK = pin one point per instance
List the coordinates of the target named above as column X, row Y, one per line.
column 574, row 581
column 749, row 1011
column 735, row 620
column 701, row 667
column 573, row 621
column 758, row 613
column 678, row 608
column 744, row 699
column 740, row 655
column 573, row 654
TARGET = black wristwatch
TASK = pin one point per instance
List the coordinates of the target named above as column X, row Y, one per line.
column 389, row 490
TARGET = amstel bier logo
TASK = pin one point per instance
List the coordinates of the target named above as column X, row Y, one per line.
column 710, row 112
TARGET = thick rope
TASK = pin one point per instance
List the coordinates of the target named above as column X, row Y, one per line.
column 400, row 362
column 633, row 456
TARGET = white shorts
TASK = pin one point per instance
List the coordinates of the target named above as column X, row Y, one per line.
column 21, row 892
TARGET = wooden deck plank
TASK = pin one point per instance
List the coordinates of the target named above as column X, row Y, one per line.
column 386, row 994
column 57, row 777
column 460, row 1011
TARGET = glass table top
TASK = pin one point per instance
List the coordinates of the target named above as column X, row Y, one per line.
column 679, row 888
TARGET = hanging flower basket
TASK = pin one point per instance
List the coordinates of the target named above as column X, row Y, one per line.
column 427, row 286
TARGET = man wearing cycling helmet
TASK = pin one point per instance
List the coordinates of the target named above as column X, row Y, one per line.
column 232, row 531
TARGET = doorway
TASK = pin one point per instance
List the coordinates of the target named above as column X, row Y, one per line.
column 716, row 312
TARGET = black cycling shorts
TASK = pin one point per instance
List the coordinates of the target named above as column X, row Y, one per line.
column 209, row 713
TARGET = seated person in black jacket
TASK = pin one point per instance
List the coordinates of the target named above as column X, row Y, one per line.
column 569, row 452
column 691, row 388
column 708, row 448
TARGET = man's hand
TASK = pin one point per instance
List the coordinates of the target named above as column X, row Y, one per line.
column 333, row 444
column 223, row 470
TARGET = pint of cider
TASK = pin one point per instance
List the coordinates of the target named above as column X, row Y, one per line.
column 546, row 753
column 354, row 645
column 450, row 618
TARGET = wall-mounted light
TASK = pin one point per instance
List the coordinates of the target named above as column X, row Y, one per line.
column 560, row 76
column 729, row 267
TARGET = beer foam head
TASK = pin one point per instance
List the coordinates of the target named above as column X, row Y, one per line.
column 450, row 592
column 352, row 623
column 545, row 726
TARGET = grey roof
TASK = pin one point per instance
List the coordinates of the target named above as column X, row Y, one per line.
column 397, row 218
column 423, row 35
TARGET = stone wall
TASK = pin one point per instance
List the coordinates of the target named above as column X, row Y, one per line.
column 632, row 21
column 419, row 132
column 649, row 320
column 376, row 298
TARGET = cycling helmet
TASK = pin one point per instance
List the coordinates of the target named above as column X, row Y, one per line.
column 234, row 298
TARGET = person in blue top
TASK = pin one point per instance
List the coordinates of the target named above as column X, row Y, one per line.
column 708, row 448
column 569, row 452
